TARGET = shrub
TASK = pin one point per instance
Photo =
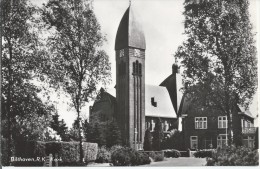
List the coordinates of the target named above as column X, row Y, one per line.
column 155, row 155
column 143, row 158
column 90, row 151
column 129, row 157
column 203, row 153
column 103, row 156
column 120, row 157
column 114, row 148
column 158, row 157
column 148, row 140
column 172, row 153
column 234, row 156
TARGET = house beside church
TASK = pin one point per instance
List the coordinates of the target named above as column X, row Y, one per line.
column 207, row 128
column 137, row 106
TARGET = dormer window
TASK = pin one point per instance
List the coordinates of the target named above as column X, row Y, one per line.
column 153, row 102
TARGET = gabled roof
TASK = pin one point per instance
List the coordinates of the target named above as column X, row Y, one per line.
column 185, row 104
column 245, row 112
column 104, row 95
column 130, row 33
column 161, row 96
column 164, row 105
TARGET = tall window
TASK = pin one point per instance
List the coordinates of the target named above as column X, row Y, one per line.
column 152, row 125
column 200, row 122
column 222, row 122
column 193, row 142
column 222, row 140
column 166, row 125
column 137, row 68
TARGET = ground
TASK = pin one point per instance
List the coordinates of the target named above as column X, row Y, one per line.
column 182, row 161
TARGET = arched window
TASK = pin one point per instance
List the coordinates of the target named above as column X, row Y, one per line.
column 137, row 68
column 134, row 65
column 140, row 69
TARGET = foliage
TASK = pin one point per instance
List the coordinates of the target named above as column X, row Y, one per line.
column 24, row 114
column 158, row 157
column 90, row 151
column 157, row 135
column 103, row 156
column 113, row 134
column 147, row 140
column 67, row 151
column 60, row 127
column 256, row 139
column 203, row 153
column 77, row 63
column 115, row 147
column 234, row 156
column 155, row 155
column 129, row 157
column 74, row 131
column 219, row 55
column 172, row 153
column 174, row 140
column 104, row 133
column 4, row 158
column 29, row 149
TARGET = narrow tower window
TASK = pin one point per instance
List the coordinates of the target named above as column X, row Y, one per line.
column 140, row 69
column 134, row 67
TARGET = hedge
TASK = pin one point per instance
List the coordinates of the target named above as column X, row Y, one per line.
column 90, row 151
column 68, row 152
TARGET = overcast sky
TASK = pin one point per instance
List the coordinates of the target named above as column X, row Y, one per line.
column 162, row 21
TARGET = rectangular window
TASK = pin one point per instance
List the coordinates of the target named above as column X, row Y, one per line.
column 165, row 126
column 152, row 125
column 222, row 122
column 249, row 141
column 222, row 140
column 193, row 142
column 200, row 122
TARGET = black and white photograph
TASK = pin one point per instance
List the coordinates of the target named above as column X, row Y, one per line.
column 108, row 83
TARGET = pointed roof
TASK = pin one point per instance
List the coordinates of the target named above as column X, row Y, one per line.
column 130, row 33
column 161, row 96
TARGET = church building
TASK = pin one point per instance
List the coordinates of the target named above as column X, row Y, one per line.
column 136, row 106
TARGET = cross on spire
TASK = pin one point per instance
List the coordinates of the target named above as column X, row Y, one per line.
column 129, row 2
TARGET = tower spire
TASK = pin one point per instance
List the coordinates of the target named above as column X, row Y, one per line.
column 129, row 2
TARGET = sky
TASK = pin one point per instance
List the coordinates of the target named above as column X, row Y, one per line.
column 162, row 22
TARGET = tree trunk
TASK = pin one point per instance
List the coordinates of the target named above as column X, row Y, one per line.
column 8, row 105
column 80, row 138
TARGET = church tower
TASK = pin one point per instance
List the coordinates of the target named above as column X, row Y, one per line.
column 130, row 80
